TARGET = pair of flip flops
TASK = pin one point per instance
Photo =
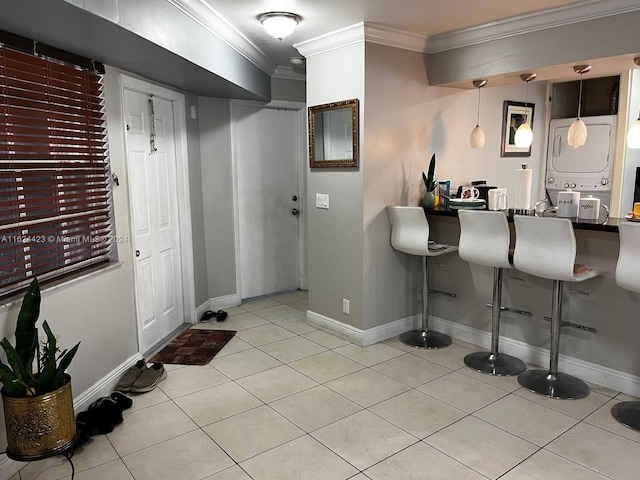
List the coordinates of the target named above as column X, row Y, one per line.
column 220, row 316
column 141, row 378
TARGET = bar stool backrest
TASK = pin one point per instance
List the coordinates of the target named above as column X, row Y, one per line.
column 484, row 238
column 409, row 230
column 628, row 269
column 545, row 247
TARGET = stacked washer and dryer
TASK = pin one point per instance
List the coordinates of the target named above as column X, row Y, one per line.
column 587, row 169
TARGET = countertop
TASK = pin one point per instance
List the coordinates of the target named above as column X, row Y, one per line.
column 603, row 224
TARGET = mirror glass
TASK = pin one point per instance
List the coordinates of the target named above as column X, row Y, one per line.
column 333, row 134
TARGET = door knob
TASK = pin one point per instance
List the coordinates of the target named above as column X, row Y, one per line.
column 137, row 253
column 295, row 211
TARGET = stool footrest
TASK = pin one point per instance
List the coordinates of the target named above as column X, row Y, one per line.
column 628, row 414
column 510, row 309
column 499, row 364
column 440, row 292
column 572, row 325
column 425, row 339
column 560, row 385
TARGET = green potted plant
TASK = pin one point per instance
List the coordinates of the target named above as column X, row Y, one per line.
column 431, row 183
column 38, row 404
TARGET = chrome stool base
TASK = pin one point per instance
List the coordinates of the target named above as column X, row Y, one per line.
column 425, row 339
column 560, row 385
column 628, row 414
column 494, row 364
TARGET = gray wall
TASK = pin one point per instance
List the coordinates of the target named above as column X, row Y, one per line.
column 217, row 195
column 288, row 89
column 567, row 44
column 152, row 38
column 335, row 235
column 196, row 202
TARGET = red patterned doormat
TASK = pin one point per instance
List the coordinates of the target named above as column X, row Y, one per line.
column 194, row 347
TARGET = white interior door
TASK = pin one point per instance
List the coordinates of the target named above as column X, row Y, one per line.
column 267, row 156
column 154, row 205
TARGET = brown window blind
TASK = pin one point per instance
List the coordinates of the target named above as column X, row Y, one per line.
column 55, row 202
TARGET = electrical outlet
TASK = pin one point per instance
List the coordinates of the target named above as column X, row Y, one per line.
column 345, row 306
column 322, row 201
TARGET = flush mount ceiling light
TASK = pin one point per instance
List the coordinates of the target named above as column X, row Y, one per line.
column 296, row 60
column 279, row 24
column 524, row 134
column 477, row 134
column 577, row 135
column 633, row 136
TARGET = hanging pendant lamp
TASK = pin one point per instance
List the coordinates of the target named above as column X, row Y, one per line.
column 633, row 136
column 524, row 134
column 577, row 135
column 477, row 134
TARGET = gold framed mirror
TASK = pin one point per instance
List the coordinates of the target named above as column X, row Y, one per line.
column 333, row 134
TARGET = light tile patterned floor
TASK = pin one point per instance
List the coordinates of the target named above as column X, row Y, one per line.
column 284, row 401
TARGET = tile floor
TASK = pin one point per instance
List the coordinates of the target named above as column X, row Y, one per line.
column 286, row 401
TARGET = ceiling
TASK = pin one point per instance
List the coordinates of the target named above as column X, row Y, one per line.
column 425, row 18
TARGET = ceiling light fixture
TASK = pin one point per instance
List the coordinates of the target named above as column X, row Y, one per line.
column 524, row 134
column 577, row 135
column 477, row 134
column 633, row 136
column 279, row 24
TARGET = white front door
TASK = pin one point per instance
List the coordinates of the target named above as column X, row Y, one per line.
column 151, row 158
column 267, row 155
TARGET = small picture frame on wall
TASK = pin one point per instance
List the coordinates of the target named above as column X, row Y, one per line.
column 514, row 115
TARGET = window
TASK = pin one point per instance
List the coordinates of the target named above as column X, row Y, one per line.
column 55, row 199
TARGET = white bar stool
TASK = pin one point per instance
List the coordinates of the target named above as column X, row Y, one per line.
column 484, row 240
column 410, row 234
column 628, row 276
column 546, row 248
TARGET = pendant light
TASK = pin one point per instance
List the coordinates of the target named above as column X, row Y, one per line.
column 577, row 135
column 633, row 136
column 524, row 134
column 477, row 134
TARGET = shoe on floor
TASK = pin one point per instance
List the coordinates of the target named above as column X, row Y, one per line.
column 149, row 378
column 130, row 376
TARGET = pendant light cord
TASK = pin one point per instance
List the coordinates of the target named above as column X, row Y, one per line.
column 478, row 117
column 580, row 96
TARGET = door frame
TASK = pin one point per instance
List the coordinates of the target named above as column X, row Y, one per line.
column 178, row 102
column 301, row 143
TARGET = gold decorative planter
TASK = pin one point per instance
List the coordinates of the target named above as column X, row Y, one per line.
column 41, row 426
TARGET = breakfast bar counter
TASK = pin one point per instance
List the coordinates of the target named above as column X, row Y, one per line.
column 608, row 357
column 603, row 224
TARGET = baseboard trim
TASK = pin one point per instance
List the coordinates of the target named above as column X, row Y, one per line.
column 587, row 371
column 101, row 388
column 226, row 301
column 339, row 329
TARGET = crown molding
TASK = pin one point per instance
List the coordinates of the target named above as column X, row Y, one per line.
column 537, row 21
column 332, row 40
column 203, row 14
column 391, row 37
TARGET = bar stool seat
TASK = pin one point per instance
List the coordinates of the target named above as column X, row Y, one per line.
column 484, row 240
column 546, row 248
column 410, row 234
column 628, row 277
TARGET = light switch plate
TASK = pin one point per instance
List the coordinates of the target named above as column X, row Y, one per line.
column 322, row 201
